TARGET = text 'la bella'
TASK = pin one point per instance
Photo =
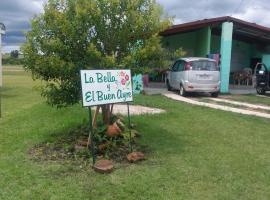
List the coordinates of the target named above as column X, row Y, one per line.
column 100, row 78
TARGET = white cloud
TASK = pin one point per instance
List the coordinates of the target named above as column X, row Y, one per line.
column 16, row 14
column 9, row 48
column 256, row 11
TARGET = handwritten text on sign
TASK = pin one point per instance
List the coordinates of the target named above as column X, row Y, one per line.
column 106, row 86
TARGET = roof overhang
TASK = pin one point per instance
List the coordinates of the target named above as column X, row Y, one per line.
column 247, row 30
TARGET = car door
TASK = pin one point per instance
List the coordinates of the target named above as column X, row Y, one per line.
column 174, row 74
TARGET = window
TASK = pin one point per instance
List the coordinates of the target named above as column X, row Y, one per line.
column 178, row 66
column 204, row 65
column 175, row 66
column 181, row 66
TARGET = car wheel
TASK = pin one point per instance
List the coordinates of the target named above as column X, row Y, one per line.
column 169, row 88
column 214, row 94
column 182, row 91
column 260, row 90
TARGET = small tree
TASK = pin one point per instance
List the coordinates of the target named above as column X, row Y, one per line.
column 90, row 34
column 171, row 55
column 14, row 54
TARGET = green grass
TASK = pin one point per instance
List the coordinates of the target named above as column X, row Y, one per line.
column 196, row 152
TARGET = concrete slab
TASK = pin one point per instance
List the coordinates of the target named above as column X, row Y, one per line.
column 253, row 106
column 136, row 110
column 218, row 107
column 264, row 96
column 160, row 88
column 153, row 91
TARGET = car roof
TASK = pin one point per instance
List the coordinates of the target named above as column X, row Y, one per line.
column 189, row 59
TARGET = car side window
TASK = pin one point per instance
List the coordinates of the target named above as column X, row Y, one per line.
column 181, row 66
column 175, row 66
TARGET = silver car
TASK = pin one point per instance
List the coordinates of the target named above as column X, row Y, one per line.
column 194, row 75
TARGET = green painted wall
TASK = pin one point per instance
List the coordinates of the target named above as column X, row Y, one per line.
column 185, row 40
column 241, row 55
column 215, row 44
column 203, row 42
column 196, row 43
column 255, row 53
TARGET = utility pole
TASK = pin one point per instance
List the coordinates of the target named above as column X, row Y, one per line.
column 2, row 32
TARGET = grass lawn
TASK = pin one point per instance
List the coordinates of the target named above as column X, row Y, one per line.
column 195, row 152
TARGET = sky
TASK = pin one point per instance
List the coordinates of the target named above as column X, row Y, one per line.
column 16, row 14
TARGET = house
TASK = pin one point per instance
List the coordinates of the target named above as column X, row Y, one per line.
column 240, row 44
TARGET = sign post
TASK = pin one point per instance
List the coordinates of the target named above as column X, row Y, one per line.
column 129, row 126
column 2, row 32
column 101, row 87
column 91, row 136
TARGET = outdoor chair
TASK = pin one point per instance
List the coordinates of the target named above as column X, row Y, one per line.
column 243, row 77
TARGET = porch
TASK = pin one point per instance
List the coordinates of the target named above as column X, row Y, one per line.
column 239, row 44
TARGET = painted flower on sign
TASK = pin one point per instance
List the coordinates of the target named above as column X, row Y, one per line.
column 124, row 79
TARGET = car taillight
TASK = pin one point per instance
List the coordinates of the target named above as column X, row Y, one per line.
column 188, row 66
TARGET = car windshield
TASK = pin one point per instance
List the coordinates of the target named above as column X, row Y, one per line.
column 204, row 65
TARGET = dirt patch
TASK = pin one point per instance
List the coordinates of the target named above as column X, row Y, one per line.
column 72, row 147
column 63, row 147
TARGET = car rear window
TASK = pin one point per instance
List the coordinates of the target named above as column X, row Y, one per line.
column 204, row 65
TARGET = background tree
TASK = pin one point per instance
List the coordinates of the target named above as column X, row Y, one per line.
column 90, row 34
column 14, row 54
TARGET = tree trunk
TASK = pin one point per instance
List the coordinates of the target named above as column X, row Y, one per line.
column 106, row 114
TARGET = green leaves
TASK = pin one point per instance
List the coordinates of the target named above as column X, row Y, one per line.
column 84, row 34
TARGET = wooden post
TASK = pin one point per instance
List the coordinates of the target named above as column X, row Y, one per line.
column 94, row 124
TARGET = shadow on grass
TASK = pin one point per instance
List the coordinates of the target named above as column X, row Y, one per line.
column 160, row 139
column 267, row 94
column 70, row 134
column 6, row 93
column 61, row 153
column 5, row 89
column 8, row 96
